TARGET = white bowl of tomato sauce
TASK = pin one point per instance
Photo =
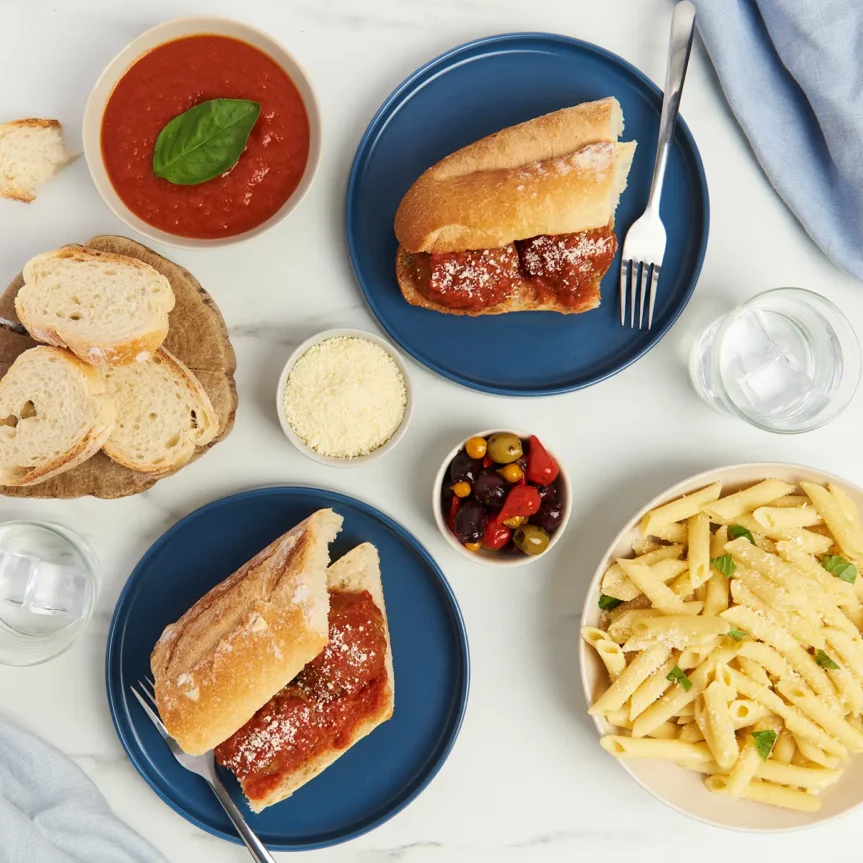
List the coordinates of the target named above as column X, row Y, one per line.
column 160, row 76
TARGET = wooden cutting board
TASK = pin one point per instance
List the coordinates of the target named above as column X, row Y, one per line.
column 197, row 336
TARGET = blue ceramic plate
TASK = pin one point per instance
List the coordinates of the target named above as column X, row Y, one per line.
column 382, row 773
column 468, row 93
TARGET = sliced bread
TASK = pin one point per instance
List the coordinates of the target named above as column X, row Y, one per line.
column 31, row 152
column 109, row 310
column 163, row 414
column 54, row 414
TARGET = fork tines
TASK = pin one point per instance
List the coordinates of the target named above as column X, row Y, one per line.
column 633, row 276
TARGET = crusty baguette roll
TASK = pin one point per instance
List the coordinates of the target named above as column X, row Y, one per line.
column 163, row 414
column 107, row 309
column 357, row 571
column 247, row 638
column 31, row 153
column 557, row 174
column 54, row 414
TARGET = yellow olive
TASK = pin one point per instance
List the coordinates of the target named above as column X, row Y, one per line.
column 476, row 447
column 504, row 447
column 461, row 489
column 515, row 521
column 531, row 539
column 473, row 546
column 511, row 472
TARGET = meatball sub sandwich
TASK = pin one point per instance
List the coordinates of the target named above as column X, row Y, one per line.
column 519, row 221
column 283, row 666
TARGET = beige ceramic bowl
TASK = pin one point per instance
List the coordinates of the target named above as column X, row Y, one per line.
column 681, row 789
column 167, row 32
column 484, row 555
column 300, row 444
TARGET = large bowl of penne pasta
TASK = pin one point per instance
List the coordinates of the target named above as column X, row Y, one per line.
column 722, row 655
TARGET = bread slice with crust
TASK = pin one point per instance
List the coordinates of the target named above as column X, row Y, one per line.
column 163, row 414
column 246, row 639
column 31, row 153
column 107, row 309
column 357, row 571
column 54, row 414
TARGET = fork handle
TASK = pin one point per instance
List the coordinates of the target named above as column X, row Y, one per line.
column 256, row 848
column 679, row 48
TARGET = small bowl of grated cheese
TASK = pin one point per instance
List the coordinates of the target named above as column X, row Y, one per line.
column 344, row 397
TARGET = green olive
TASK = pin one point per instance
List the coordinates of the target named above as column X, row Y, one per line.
column 531, row 539
column 504, row 448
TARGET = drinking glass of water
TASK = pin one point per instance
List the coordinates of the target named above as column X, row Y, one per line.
column 49, row 583
column 787, row 361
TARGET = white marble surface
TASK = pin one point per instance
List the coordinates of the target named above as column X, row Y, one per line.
column 526, row 782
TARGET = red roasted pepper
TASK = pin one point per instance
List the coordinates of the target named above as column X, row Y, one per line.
column 541, row 467
column 454, row 504
column 496, row 535
column 521, row 500
column 487, row 461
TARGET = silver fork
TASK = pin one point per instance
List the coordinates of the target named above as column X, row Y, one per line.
column 644, row 246
column 205, row 766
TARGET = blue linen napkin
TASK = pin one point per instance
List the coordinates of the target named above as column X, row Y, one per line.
column 792, row 71
column 50, row 811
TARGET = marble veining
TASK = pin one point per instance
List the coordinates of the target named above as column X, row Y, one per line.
column 526, row 781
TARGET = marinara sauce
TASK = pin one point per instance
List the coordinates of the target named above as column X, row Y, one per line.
column 169, row 80
column 318, row 710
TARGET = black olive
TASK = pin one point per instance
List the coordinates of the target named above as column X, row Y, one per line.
column 548, row 517
column 471, row 521
column 491, row 489
column 463, row 468
column 547, row 493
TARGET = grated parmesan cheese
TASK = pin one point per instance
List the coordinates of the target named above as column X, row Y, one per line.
column 345, row 397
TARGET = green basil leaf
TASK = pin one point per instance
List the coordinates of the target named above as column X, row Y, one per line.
column 736, row 530
column 841, row 568
column 764, row 741
column 737, row 634
column 824, row 660
column 676, row 675
column 724, row 564
column 205, row 141
column 606, row 603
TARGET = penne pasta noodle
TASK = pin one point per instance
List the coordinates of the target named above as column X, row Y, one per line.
column 716, row 600
column 691, row 733
column 812, row 707
column 651, row 689
column 647, row 747
column 748, row 761
column 814, row 754
column 675, row 532
column 619, row 718
column 722, row 737
column 784, row 749
column 755, row 670
column 667, row 731
column 698, row 553
column 645, row 545
column 840, row 515
column 773, row 518
column 658, row 593
column 679, row 510
column 617, row 583
column 612, row 656
column 768, row 792
column 748, row 499
column 593, row 635
column 620, row 691
column 745, row 713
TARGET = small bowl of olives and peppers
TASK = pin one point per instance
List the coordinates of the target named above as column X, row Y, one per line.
column 501, row 498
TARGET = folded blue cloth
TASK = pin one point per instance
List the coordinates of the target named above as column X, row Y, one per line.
column 792, row 71
column 50, row 812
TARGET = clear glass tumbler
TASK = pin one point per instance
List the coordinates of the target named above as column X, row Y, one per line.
column 787, row 361
column 49, row 584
